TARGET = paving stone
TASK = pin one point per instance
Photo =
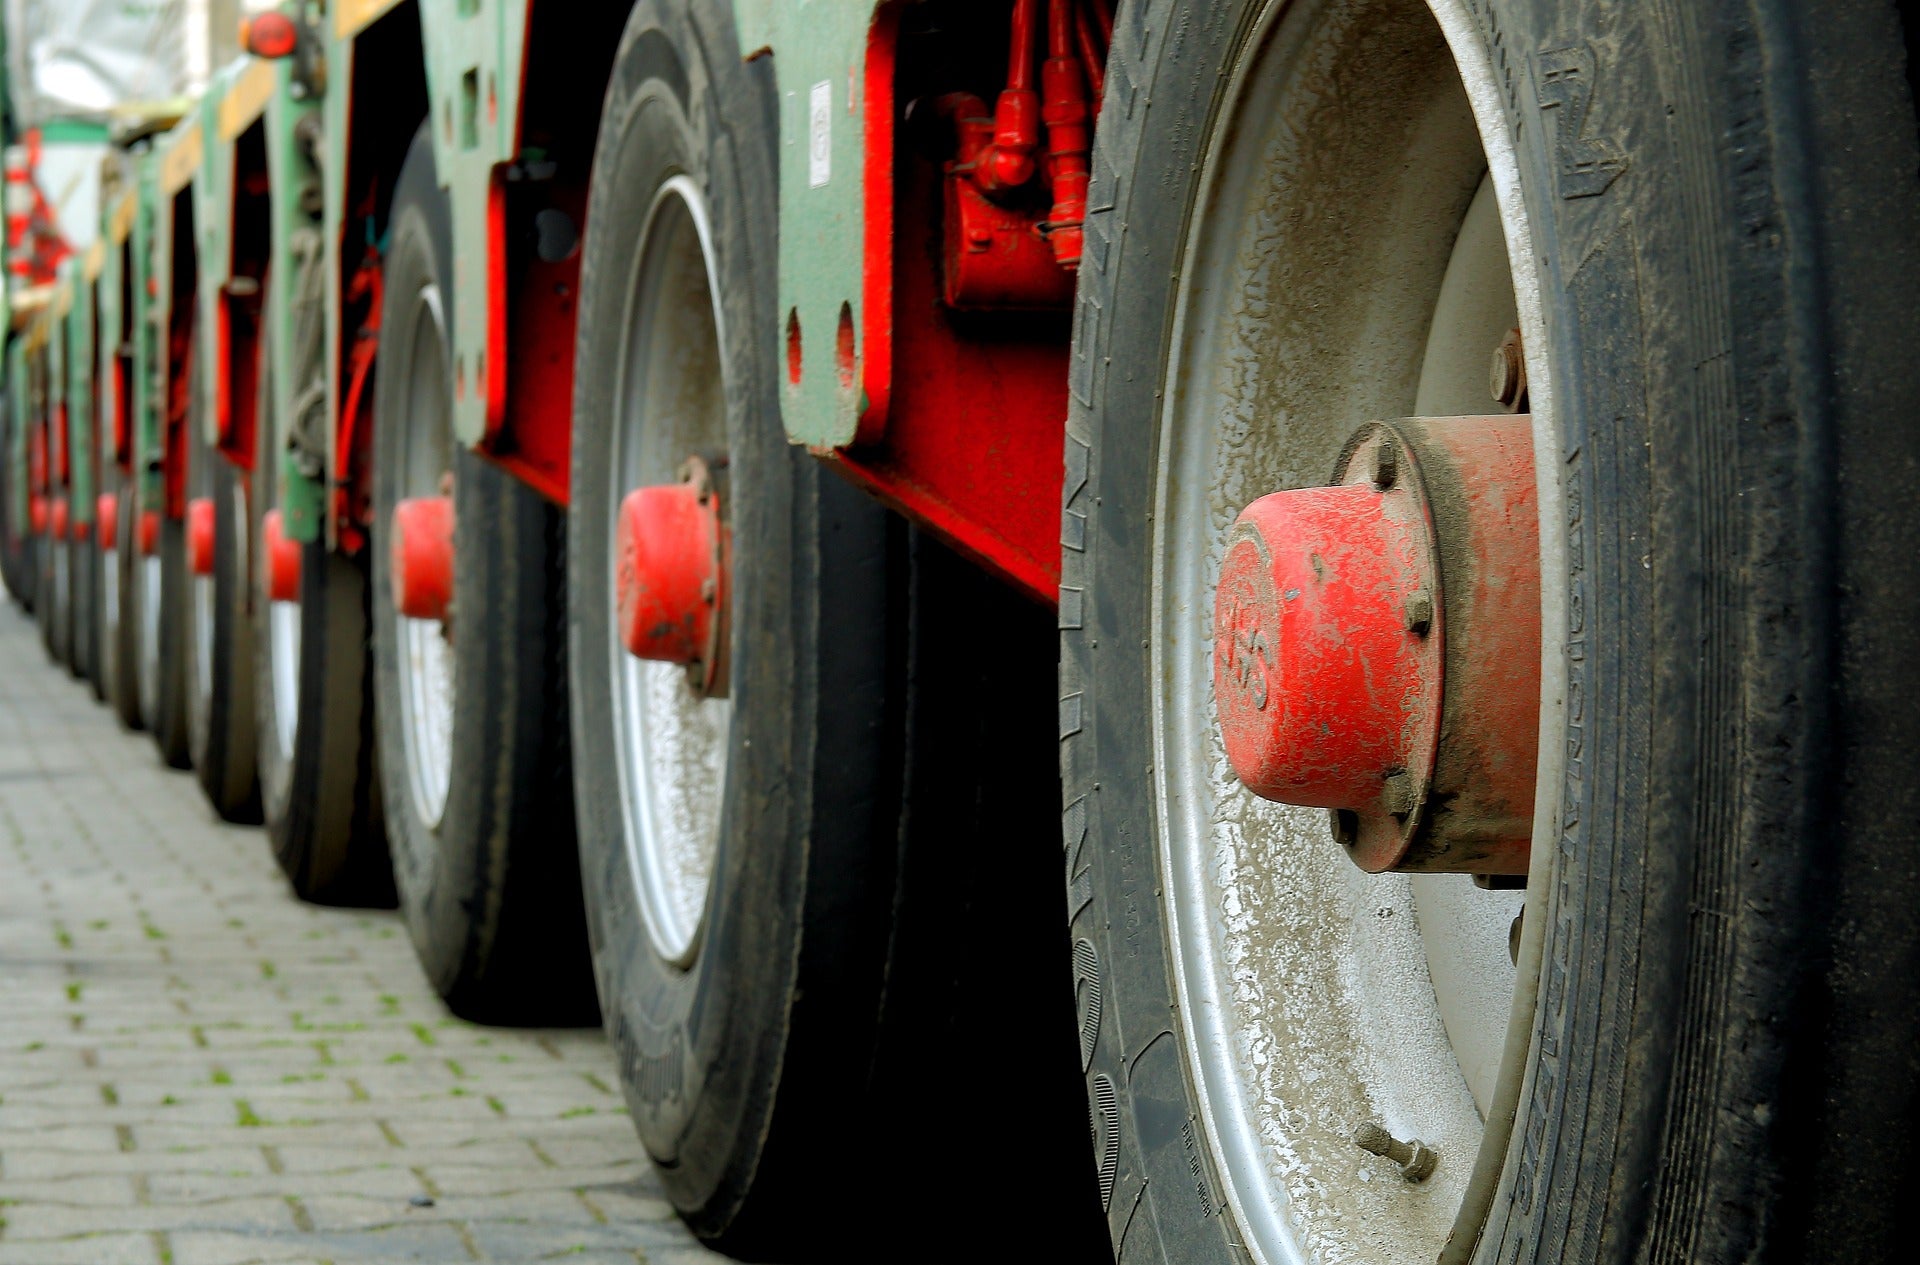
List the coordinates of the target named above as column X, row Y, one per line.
column 198, row 1069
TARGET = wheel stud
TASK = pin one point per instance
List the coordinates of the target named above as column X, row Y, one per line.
column 200, row 535
column 281, row 559
column 670, row 572
column 422, row 557
column 1416, row 1159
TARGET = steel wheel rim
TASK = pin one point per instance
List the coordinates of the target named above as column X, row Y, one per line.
column 1290, row 974
column 426, row 655
column 283, row 618
column 108, row 563
column 670, row 402
column 150, row 581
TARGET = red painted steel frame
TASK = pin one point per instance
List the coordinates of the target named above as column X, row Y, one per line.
column 529, row 370
column 964, row 424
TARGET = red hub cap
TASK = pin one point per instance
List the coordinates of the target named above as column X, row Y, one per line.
column 280, row 559
column 149, row 532
column 672, row 557
column 1377, row 645
column 200, row 535
column 106, row 511
column 422, row 557
column 57, row 519
column 37, row 515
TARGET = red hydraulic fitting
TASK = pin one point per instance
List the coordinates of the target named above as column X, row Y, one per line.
column 37, row 514
column 280, row 559
column 200, row 535
column 421, row 571
column 106, row 512
column 1377, row 645
column 1069, row 135
column 148, row 533
column 671, row 574
column 57, row 518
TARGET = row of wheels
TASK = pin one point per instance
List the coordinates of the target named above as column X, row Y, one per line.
column 791, row 809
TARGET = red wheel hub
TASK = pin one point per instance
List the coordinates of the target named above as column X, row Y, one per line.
column 149, row 532
column 200, row 535
column 422, row 557
column 1377, row 645
column 280, row 559
column 37, row 515
column 671, row 564
column 106, row 512
column 57, row 518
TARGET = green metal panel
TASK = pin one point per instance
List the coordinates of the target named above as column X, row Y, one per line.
column 107, row 346
column 80, row 361
column 303, row 499
column 19, row 402
column 213, row 234
column 148, row 342
column 819, row 58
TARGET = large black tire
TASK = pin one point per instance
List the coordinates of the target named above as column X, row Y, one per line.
column 222, row 733
column 162, row 632
column 1727, row 197
column 489, row 878
column 53, row 607
column 83, row 613
column 120, row 629
column 319, row 788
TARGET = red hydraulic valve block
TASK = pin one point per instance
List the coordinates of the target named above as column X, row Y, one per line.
column 673, row 556
column 1377, row 645
column 200, row 535
column 279, row 559
column 421, row 559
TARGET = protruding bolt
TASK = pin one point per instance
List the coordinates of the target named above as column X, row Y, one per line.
column 1507, row 375
column 1416, row 1159
column 1386, row 463
column 1419, row 612
column 1401, row 795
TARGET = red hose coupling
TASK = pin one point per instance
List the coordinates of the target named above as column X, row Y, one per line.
column 149, row 533
column 57, row 518
column 37, row 514
column 422, row 557
column 672, row 559
column 200, row 535
column 279, row 559
column 1377, row 645
column 106, row 512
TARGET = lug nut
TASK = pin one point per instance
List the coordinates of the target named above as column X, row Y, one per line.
column 1419, row 611
column 1386, row 463
column 1416, row 1159
column 1507, row 375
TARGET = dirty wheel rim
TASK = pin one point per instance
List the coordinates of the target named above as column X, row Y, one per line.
column 149, row 578
column 1314, row 997
column 426, row 654
column 670, row 402
column 283, row 618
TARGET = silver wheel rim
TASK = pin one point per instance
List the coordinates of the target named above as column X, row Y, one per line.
column 149, row 579
column 670, row 401
column 1314, row 997
column 283, row 618
column 109, row 564
column 426, row 657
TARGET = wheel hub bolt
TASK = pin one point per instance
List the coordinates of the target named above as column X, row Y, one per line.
column 280, row 560
column 1416, row 1159
column 672, row 554
column 200, row 535
column 106, row 512
column 421, row 558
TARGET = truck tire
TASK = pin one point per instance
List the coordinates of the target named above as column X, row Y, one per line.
column 319, row 788
column 1708, row 217
column 472, row 709
column 159, row 609
column 120, row 630
column 787, row 939
column 221, row 725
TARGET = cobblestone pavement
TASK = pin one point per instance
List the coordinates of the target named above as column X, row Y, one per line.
column 196, row 1068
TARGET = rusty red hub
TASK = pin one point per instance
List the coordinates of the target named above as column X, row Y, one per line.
column 279, row 560
column 422, row 557
column 673, row 556
column 106, row 512
column 57, row 518
column 37, row 514
column 1377, row 645
column 200, row 535
column 148, row 533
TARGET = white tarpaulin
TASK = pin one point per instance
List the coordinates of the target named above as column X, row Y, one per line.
column 77, row 59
